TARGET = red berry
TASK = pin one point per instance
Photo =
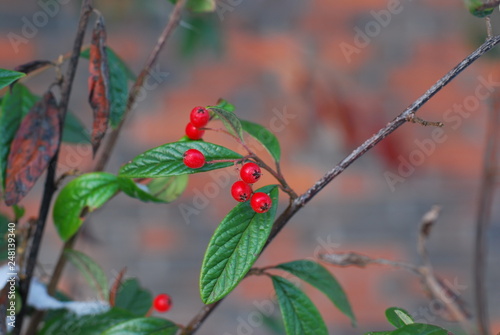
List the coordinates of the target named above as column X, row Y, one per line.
column 260, row 202
column 162, row 303
column 199, row 117
column 194, row 133
column 241, row 191
column 250, row 173
column 194, row 159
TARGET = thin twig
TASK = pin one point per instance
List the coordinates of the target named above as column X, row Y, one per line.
column 50, row 187
column 346, row 259
column 485, row 203
column 415, row 119
column 298, row 203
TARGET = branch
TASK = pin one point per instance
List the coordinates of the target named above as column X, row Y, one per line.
column 50, row 186
column 491, row 162
column 299, row 202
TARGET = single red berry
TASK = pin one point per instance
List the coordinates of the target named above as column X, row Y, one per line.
column 250, row 173
column 194, row 133
column 241, row 191
column 194, row 159
column 162, row 303
column 260, row 202
column 199, row 117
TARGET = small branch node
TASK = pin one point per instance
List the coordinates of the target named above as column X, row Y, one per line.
column 415, row 119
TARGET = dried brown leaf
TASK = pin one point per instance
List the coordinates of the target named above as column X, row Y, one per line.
column 34, row 145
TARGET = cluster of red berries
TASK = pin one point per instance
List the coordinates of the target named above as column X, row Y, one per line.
column 249, row 173
column 162, row 303
column 242, row 191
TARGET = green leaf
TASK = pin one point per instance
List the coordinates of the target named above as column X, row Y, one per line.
column 388, row 332
column 74, row 131
column 15, row 105
column 168, row 189
column 143, row 326
column 164, row 190
column 420, row 329
column 230, row 121
column 475, row 7
column 264, row 136
column 80, row 196
column 300, row 315
column 234, row 247
column 135, row 190
column 118, row 88
column 319, row 277
column 119, row 74
column 131, row 297
column 398, row 317
column 4, row 228
column 167, row 160
column 92, row 324
column 113, row 57
column 93, row 273
column 7, row 77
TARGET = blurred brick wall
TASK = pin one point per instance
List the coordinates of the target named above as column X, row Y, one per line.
column 300, row 60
